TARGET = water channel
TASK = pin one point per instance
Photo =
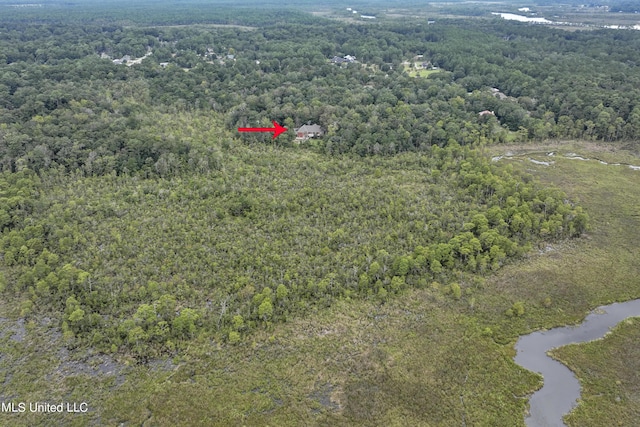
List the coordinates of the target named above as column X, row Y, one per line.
column 561, row 388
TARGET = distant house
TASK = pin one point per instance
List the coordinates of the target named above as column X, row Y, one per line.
column 308, row 131
column 425, row 65
column 347, row 58
column 122, row 60
column 496, row 92
column 486, row 113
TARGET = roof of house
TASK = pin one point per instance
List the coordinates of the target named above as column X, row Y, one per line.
column 309, row 129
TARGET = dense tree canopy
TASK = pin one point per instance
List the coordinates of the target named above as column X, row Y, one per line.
column 64, row 105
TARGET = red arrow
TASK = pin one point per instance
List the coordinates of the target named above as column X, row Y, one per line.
column 277, row 130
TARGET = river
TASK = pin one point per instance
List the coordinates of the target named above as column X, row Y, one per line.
column 561, row 388
column 537, row 20
column 571, row 156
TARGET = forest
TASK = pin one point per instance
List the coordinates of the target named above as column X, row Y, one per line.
column 65, row 106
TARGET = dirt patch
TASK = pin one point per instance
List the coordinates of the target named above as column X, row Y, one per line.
column 93, row 366
column 324, row 395
column 18, row 329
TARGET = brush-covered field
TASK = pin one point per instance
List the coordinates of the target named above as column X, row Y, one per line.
column 428, row 355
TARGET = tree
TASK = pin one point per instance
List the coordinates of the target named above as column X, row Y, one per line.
column 234, row 337
column 456, row 291
column 145, row 316
column 238, row 322
column 184, row 325
column 137, row 338
column 166, row 307
column 397, row 283
column 265, row 310
column 374, row 270
column 76, row 316
column 580, row 221
column 436, row 267
column 281, row 292
column 401, row 265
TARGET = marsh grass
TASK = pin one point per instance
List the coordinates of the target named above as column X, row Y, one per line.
column 609, row 372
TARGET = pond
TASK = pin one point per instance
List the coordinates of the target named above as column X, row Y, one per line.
column 520, row 18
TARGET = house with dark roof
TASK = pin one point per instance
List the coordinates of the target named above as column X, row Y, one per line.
column 344, row 59
column 308, row 131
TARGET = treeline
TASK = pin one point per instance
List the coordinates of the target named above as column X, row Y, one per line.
column 624, row 6
column 60, row 104
column 156, row 13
